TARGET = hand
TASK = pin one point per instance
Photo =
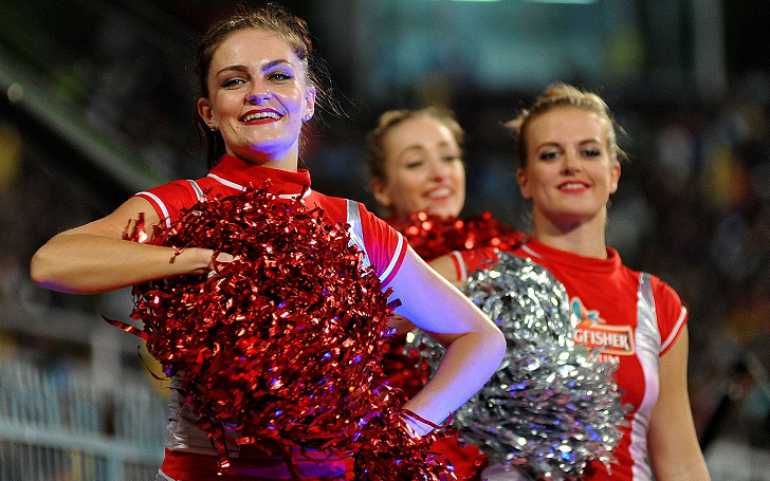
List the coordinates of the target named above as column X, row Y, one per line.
column 215, row 260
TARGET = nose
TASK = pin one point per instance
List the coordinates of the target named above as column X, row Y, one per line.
column 439, row 168
column 571, row 161
column 258, row 98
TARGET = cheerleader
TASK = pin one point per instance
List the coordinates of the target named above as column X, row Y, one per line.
column 418, row 176
column 569, row 168
column 257, row 91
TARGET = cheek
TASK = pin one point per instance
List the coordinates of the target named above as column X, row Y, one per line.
column 293, row 99
column 408, row 184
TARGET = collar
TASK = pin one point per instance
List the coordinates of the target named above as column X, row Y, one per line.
column 239, row 174
column 536, row 248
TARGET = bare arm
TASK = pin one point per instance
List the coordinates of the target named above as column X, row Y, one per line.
column 444, row 266
column 476, row 345
column 93, row 258
column 673, row 444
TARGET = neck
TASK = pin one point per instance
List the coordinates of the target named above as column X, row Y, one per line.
column 579, row 236
column 284, row 160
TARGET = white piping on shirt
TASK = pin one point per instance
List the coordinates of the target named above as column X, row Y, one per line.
column 648, row 353
column 355, row 230
column 675, row 330
column 529, row 251
column 198, row 191
column 463, row 274
column 233, row 185
column 394, row 259
column 160, row 203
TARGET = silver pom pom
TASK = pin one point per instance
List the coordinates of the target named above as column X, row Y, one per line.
column 552, row 407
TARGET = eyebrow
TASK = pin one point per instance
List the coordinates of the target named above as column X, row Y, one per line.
column 265, row 67
column 557, row 144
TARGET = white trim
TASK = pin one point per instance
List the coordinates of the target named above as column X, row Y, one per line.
column 160, row 204
column 233, row 185
column 165, row 476
column 647, row 345
column 394, row 259
column 529, row 251
column 675, row 330
column 226, row 182
column 355, row 230
column 460, row 262
column 198, row 191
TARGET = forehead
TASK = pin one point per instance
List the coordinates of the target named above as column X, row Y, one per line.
column 420, row 130
column 566, row 124
column 252, row 46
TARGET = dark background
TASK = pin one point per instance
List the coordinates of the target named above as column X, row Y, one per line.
column 96, row 102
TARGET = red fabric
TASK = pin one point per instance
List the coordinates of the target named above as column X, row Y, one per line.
column 384, row 246
column 606, row 296
column 467, row 458
column 181, row 466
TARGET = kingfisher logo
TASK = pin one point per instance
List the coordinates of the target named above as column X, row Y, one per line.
column 594, row 332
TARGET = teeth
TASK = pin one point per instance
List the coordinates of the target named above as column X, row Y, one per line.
column 573, row 186
column 439, row 193
column 261, row 115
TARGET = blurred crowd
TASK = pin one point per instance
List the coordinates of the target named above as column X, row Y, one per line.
column 694, row 206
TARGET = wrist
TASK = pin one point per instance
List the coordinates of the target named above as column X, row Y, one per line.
column 416, row 425
column 193, row 259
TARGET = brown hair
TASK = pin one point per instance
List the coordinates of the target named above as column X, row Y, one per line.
column 563, row 95
column 270, row 17
column 391, row 118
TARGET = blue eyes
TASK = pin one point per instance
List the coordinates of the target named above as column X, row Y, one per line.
column 553, row 154
column 236, row 82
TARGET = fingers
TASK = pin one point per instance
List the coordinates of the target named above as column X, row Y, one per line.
column 216, row 259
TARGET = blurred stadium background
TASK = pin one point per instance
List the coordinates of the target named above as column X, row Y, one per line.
column 96, row 102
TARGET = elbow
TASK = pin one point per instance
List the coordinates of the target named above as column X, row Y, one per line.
column 43, row 272
column 37, row 269
column 497, row 343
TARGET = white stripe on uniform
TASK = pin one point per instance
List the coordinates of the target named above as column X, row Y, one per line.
column 356, row 230
column 160, row 204
column 647, row 351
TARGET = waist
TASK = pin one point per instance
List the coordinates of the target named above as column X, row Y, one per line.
column 310, row 466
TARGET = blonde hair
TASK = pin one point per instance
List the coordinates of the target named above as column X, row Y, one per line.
column 564, row 95
column 392, row 118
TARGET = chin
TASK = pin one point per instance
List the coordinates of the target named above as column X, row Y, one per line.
column 443, row 211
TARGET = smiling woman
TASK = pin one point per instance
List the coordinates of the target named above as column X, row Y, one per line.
column 258, row 97
column 257, row 91
column 415, row 157
column 569, row 168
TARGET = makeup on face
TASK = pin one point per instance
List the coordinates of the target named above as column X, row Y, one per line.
column 258, row 97
column 424, row 169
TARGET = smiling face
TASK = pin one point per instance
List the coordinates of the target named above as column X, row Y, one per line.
column 423, row 169
column 258, row 97
column 570, row 171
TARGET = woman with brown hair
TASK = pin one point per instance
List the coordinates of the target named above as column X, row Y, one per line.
column 257, row 92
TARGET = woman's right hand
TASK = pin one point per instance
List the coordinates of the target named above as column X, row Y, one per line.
column 95, row 258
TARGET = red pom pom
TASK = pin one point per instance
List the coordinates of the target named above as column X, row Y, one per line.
column 432, row 236
column 285, row 344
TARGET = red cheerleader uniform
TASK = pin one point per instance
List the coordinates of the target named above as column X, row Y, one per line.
column 632, row 317
column 189, row 454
